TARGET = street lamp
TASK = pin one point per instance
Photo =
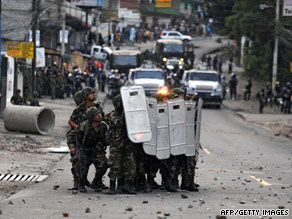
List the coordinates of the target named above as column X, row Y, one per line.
column 275, row 56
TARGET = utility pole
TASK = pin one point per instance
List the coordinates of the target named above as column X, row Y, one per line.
column 34, row 23
column 275, row 58
column 0, row 57
column 63, row 36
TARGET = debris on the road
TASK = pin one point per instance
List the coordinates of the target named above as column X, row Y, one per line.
column 159, row 212
column 202, row 161
column 65, row 214
column 254, row 201
column 208, row 209
column 184, row 196
column 215, row 178
column 74, row 191
column 167, row 214
column 160, row 216
column 12, row 193
column 60, row 201
column 0, row 212
column 56, row 187
column 180, row 208
column 190, row 206
column 247, row 180
column 281, row 207
column 10, row 202
column 202, row 202
column 279, row 178
column 145, row 202
column 129, row 209
column 220, row 217
column 87, row 210
column 233, row 179
column 242, row 202
column 283, row 187
column 157, row 195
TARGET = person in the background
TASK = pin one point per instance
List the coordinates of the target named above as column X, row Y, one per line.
column 34, row 101
column 233, row 85
column 16, row 99
column 261, row 100
column 247, row 92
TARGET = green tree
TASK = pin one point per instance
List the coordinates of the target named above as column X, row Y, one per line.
column 259, row 26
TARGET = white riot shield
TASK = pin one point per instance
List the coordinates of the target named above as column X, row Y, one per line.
column 136, row 113
column 177, row 126
column 198, row 125
column 190, row 127
column 150, row 147
column 163, row 145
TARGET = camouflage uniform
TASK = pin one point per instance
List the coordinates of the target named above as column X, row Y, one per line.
column 39, row 84
column 60, row 86
column 53, row 81
column 121, row 150
column 91, row 143
column 34, row 101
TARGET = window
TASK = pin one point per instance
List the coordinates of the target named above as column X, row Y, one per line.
column 173, row 34
column 201, row 76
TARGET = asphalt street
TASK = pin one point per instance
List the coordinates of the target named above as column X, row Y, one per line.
column 240, row 167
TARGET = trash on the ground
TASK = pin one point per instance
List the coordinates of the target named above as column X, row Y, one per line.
column 167, row 214
column 190, row 206
column 220, row 217
column 56, row 187
column 145, row 202
column 10, row 202
column 87, row 210
column 242, row 202
column 65, row 214
column 129, row 209
column 184, row 196
column 281, row 207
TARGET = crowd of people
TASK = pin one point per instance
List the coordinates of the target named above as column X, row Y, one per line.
column 131, row 170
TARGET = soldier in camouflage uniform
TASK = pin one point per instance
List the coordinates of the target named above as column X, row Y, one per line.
column 60, row 86
column 34, row 101
column 84, row 99
column 88, row 143
column 121, row 150
column 39, row 83
column 52, row 81
column 185, row 165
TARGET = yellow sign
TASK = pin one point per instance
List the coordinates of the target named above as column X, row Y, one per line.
column 20, row 49
column 291, row 67
column 27, row 50
column 163, row 3
column 14, row 49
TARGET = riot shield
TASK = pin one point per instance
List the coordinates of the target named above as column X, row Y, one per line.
column 190, row 127
column 150, row 147
column 163, row 145
column 198, row 120
column 177, row 126
column 136, row 113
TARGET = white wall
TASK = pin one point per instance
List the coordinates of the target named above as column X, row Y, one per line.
column 10, row 78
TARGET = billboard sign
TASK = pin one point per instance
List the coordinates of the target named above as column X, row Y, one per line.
column 40, row 57
column 163, row 3
column 17, row 49
column 287, row 8
column 87, row 3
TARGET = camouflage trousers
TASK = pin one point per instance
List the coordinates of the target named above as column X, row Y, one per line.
column 121, row 161
column 168, row 167
column 53, row 90
column 186, row 166
column 87, row 157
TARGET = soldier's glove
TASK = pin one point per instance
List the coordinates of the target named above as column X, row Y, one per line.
column 72, row 151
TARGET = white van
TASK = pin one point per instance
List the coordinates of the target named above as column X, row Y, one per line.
column 100, row 52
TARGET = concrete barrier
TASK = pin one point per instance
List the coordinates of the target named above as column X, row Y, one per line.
column 29, row 119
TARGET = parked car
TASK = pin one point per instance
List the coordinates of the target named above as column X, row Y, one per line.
column 203, row 84
column 175, row 35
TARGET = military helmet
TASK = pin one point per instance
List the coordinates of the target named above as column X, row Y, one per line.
column 86, row 91
column 35, row 94
column 91, row 113
column 78, row 97
column 177, row 91
column 117, row 101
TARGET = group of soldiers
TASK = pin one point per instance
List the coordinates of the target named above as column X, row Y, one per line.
column 131, row 169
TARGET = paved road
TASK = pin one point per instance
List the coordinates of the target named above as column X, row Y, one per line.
column 241, row 167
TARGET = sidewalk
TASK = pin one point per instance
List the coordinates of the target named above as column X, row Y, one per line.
column 25, row 153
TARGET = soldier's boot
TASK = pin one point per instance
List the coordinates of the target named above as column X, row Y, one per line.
column 175, row 182
column 120, row 186
column 152, row 183
column 146, row 187
column 192, row 186
column 81, row 186
column 75, row 180
column 184, row 183
column 112, row 189
column 128, row 187
column 169, row 186
column 95, row 184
